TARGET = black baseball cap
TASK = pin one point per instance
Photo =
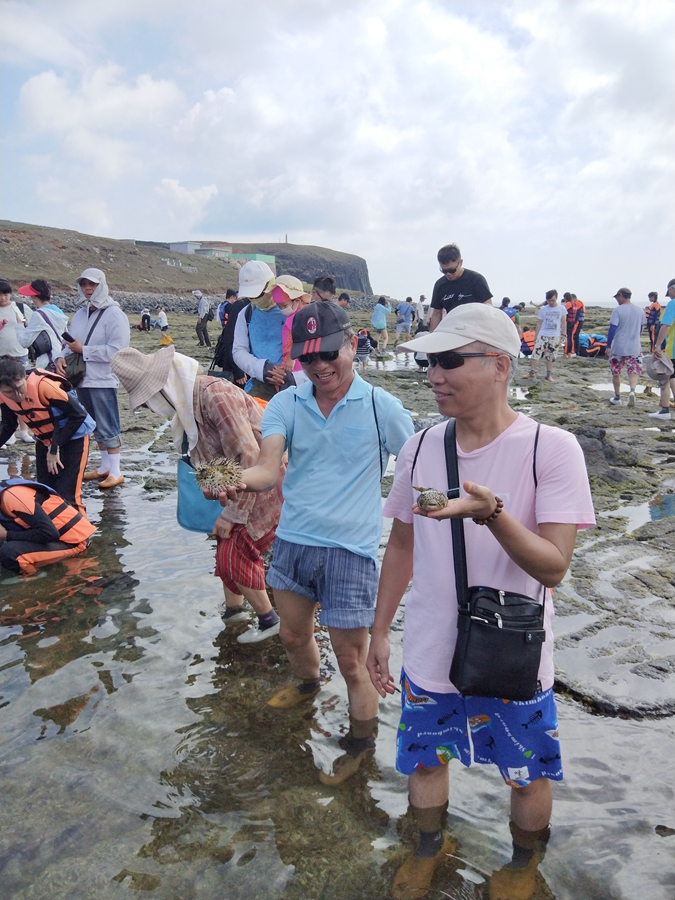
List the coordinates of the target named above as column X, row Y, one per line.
column 317, row 327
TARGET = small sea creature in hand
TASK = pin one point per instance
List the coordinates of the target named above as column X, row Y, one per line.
column 219, row 474
column 430, row 499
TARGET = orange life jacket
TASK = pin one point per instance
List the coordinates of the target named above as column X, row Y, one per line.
column 35, row 412
column 72, row 526
column 528, row 337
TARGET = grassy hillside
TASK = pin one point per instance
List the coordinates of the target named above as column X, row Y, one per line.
column 33, row 251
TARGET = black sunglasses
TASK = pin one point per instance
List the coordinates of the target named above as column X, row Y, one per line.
column 450, row 359
column 449, row 271
column 306, row 359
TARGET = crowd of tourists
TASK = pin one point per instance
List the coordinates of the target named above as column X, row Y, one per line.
column 485, row 505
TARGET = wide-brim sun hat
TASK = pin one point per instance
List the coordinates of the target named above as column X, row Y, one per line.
column 466, row 324
column 658, row 368
column 142, row 375
column 254, row 276
column 291, row 286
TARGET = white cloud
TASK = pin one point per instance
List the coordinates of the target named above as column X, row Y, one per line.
column 184, row 206
column 527, row 131
column 100, row 102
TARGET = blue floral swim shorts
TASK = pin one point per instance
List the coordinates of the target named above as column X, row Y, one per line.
column 519, row 737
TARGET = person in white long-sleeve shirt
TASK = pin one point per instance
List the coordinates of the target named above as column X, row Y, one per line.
column 98, row 330
column 257, row 347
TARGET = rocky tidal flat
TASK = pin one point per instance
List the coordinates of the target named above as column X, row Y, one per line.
column 615, row 631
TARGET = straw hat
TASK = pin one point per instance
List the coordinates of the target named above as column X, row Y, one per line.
column 659, row 369
column 291, row 286
column 142, row 375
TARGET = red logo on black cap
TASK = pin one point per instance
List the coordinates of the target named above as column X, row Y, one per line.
column 311, row 325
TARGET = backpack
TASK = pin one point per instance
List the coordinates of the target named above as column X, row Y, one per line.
column 222, row 354
column 209, row 315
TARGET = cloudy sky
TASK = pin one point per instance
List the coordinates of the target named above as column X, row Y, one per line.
column 537, row 135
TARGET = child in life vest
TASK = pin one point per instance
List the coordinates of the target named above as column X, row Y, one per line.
column 38, row 527
column 45, row 403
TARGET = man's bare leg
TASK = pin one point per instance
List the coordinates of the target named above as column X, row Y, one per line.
column 351, row 649
column 297, row 636
column 297, row 633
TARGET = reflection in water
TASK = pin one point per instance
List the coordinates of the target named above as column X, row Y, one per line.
column 662, row 507
column 257, row 804
column 138, row 753
column 26, row 470
column 64, row 612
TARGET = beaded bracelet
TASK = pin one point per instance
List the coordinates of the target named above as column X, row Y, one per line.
column 498, row 508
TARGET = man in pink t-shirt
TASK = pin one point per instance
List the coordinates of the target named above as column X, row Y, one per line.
column 521, row 511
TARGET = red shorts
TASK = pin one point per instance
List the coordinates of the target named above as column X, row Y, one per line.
column 239, row 559
column 633, row 364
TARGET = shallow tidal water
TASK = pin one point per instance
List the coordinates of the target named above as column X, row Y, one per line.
column 137, row 752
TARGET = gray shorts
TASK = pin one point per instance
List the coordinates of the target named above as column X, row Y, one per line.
column 344, row 583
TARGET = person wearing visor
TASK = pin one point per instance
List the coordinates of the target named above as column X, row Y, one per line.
column 523, row 494
column 217, row 419
column 257, row 348
column 98, row 330
column 47, row 317
column 338, row 432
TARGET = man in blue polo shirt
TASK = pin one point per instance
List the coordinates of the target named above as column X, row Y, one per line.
column 339, row 432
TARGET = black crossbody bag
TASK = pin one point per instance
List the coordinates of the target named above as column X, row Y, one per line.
column 499, row 633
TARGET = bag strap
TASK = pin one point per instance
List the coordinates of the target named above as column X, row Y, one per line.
column 51, row 325
column 457, row 525
column 379, row 437
column 185, row 450
column 91, row 330
column 417, row 453
column 534, row 457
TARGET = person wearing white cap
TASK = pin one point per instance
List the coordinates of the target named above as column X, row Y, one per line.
column 420, row 311
column 98, row 330
column 523, row 493
column 204, row 316
column 258, row 347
